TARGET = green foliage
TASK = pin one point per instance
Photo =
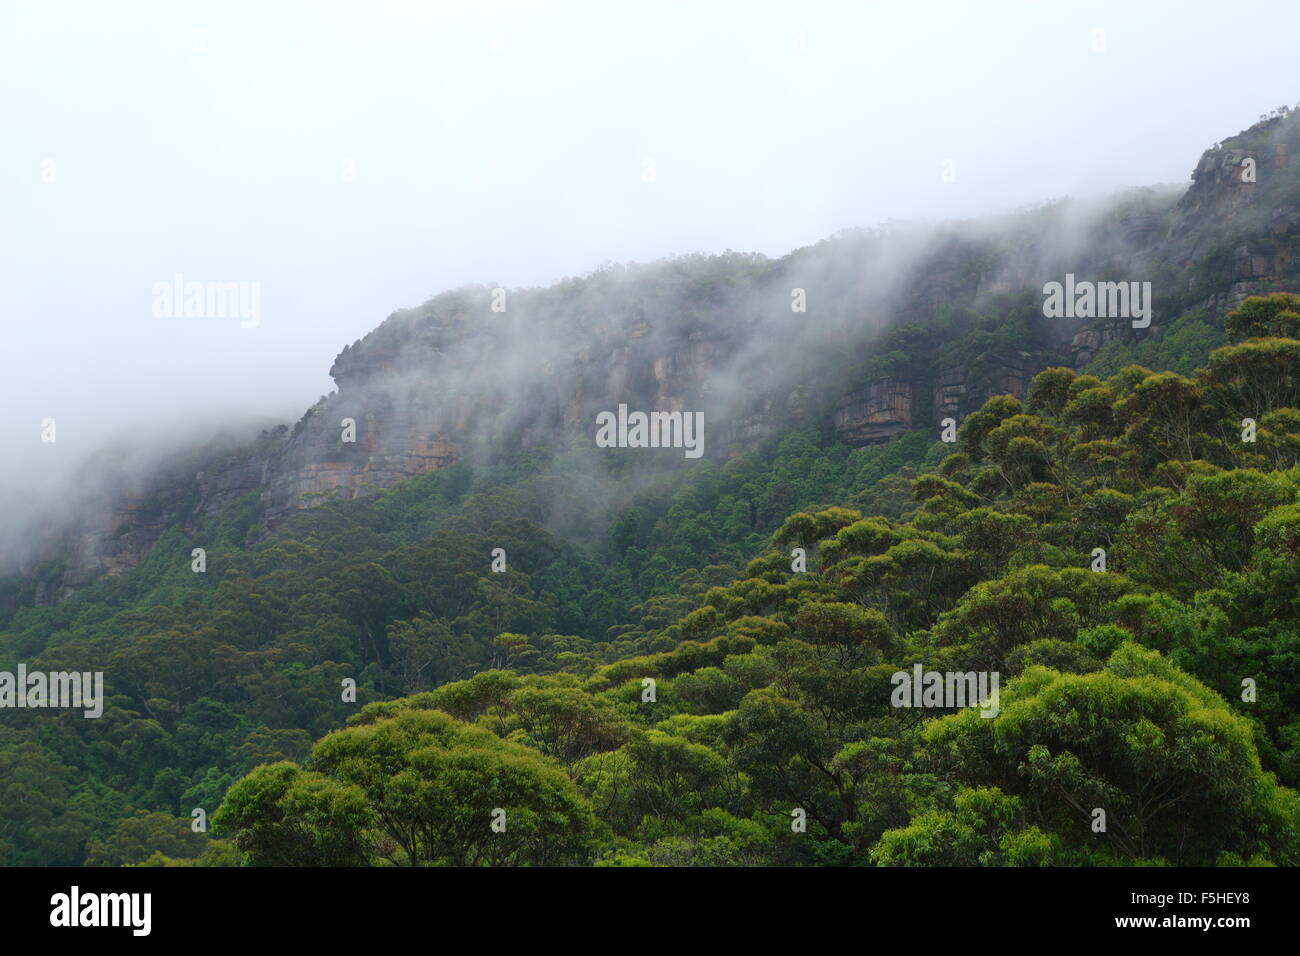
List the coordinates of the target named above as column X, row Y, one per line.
column 1183, row 347
column 661, row 687
column 1265, row 317
column 1174, row 770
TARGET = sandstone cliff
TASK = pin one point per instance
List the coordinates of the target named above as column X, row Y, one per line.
column 459, row 380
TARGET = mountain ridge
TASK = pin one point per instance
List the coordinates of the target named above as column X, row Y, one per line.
column 451, row 382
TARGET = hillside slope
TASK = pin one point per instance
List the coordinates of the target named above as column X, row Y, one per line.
column 772, row 685
column 458, row 381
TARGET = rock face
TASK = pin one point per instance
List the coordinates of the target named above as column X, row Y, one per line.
column 116, row 543
column 456, row 380
column 1240, row 215
column 959, row 390
column 874, row 414
column 393, row 441
column 1223, row 181
column 1089, row 342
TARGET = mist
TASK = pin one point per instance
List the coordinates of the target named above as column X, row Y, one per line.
column 348, row 161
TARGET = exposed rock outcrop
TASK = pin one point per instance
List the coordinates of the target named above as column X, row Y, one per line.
column 451, row 381
column 1086, row 344
column 957, row 395
column 874, row 414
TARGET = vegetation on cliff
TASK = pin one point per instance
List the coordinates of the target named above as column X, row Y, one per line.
column 1161, row 690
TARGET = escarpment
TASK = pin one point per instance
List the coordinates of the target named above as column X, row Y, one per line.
column 484, row 374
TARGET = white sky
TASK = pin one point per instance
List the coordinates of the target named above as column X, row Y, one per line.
column 507, row 144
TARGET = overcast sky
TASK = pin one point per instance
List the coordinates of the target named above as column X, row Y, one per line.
column 356, row 158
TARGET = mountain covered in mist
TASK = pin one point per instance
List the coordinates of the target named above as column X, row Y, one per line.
column 648, row 659
column 483, row 374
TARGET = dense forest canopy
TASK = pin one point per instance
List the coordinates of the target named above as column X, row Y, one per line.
column 708, row 680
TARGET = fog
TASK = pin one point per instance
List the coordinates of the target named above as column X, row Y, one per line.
column 348, row 160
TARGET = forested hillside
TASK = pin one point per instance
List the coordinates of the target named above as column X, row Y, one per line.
column 858, row 339
column 664, row 699
column 1125, row 670
column 474, row 637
